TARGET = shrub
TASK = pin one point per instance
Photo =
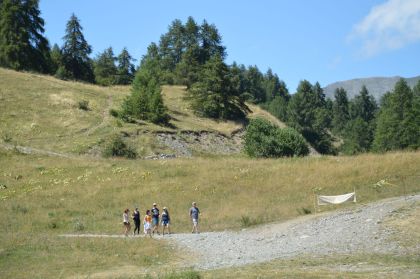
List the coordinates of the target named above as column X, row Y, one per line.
column 52, row 225
column 114, row 112
column 78, row 225
column 263, row 139
column 304, row 211
column 83, row 105
column 7, row 138
column 247, row 221
column 63, row 74
column 117, row 147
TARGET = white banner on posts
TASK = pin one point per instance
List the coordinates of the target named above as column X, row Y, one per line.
column 324, row 200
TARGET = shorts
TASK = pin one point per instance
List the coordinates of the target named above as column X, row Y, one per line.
column 126, row 223
column 195, row 222
column 147, row 226
column 165, row 223
column 155, row 221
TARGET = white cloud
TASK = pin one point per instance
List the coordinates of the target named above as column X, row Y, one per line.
column 389, row 26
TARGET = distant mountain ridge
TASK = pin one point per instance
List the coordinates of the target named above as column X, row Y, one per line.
column 377, row 86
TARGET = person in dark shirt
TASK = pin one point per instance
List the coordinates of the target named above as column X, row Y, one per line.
column 155, row 218
column 194, row 212
column 165, row 221
column 136, row 219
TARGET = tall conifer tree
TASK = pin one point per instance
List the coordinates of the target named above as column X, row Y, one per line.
column 125, row 68
column 398, row 121
column 22, row 44
column 76, row 61
column 340, row 110
column 215, row 95
column 105, row 69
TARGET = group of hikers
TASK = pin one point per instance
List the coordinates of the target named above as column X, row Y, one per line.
column 151, row 220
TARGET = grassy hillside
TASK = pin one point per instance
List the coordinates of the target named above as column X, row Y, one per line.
column 42, row 197
column 42, row 112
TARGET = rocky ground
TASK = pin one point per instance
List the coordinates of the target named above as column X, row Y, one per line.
column 185, row 143
column 350, row 231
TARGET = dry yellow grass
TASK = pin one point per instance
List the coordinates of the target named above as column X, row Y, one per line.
column 366, row 266
column 47, row 196
column 406, row 221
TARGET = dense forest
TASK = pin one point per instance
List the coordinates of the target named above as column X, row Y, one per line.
column 193, row 55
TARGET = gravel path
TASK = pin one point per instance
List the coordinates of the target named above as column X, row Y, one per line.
column 354, row 230
column 349, row 231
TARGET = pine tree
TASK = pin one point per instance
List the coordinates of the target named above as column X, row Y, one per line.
column 308, row 114
column 215, row 95
column 416, row 114
column 172, row 46
column 364, row 106
column 105, row 69
column 125, row 69
column 398, row 121
column 254, row 84
column 22, row 44
column 318, row 95
column 56, row 58
column 210, row 42
column 158, row 113
column 340, row 111
column 302, row 107
column 75, row 51
column 357, row 137
column 278, row 108
column 187, row 72
column 360, row 129
column 273, row 86
column 145, row 101
column 191, row 33
column 237, row 73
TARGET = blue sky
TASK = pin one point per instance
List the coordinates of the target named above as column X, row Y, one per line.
column 319, row 40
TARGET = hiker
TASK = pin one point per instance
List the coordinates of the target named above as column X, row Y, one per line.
column 127, row 225
column 136, row 219
column 194, row 212
column 147, row 223
column 165, row 221
column 155, row 218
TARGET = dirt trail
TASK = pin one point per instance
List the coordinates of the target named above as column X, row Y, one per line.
column 31, row 150
column 105, row 117
column 349, row 231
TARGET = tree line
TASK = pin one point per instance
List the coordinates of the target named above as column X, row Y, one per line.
column 24, row 47
column 353, row 126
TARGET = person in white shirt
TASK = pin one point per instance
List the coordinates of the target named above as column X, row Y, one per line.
column 126, row 222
